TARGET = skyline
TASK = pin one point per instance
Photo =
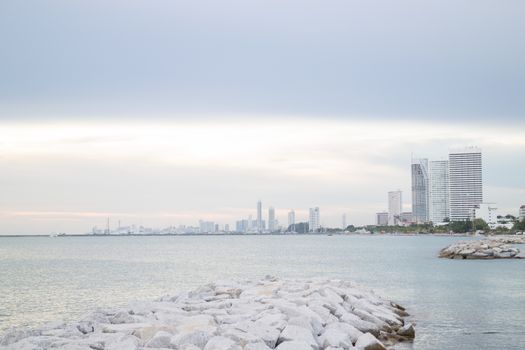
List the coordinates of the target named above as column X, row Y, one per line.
column 55, row 183
column 166, row 112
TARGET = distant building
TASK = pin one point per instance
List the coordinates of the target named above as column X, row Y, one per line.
column 382, row 219
column 314, row 222
column 395, row 205
column 344, row 221
column 271, row 219
column 466, row 183
column 420, row 190
column 242, row 226
column 522, row 213
column 206, row 226
column 291, row 219
column 406, row 218
column 259, row 225
column 439, row 208
column 226, row 228
column 485, row 211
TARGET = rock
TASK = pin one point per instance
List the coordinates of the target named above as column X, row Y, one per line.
column 296, row 333
column 256, row 346
column 160, row 340
column 14, row 335
column 126, row 343
column 485, row 249
column 368, row 342
column 335, row 338
column 221, row 343
column 294, row 345
column 122, row 317
column 248, row 315
column 407, row 331
column 197, row 338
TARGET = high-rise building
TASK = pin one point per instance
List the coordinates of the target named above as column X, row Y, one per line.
column 395, row 205
column 206, row 226
column 382, row 219
column 314, row 220
column 466, row 182
column 271, row 219
column 439, row 209
column 291, row 220
column 344, row 221
column 485, row 211
column 522, row 213
column 420, row 190
column 259, row 225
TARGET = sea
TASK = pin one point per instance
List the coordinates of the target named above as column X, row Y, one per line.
column 455, row 304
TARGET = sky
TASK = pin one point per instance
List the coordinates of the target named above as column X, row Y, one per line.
column 166, row 112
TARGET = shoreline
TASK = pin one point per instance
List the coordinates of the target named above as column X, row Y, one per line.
column 259, row 234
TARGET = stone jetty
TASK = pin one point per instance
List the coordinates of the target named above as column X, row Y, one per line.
column 264, row 314
column 490, row 248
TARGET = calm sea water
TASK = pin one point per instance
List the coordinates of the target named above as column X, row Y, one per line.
column 455, row 304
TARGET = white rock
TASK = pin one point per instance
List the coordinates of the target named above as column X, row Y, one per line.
column 256, row 346
column 249, row 315
column 294, row 345
column 368, row 342
column 296, row 333
column 221, row 343
column 197, row 338
column 160, row 340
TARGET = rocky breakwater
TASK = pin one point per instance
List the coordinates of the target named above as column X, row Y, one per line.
column 250, row 315
column 483, row 249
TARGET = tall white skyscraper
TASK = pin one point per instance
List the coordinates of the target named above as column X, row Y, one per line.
column 344, row 221
column 291, row 220
column 259, row 217
column 271, row 219
column 314, row 220
column 439, row 208
column 466, row 182
column 395, row 206
column 420, row 190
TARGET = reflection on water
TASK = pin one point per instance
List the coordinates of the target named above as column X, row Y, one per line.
column 455, row 304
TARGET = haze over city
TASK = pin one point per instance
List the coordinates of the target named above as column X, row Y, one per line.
column 167, row 113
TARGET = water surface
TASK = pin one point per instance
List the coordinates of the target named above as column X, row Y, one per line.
column 456, row 304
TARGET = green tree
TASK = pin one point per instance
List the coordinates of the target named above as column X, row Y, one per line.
column 480, row 224
column 519, row 225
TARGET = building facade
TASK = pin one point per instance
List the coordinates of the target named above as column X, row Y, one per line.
column 259, row 225
column 465, row 181
column 271, row 219
column 439, row 209
column 395, row 206
column 291, row 220
column 522, row 213
column 314, row 223
column 382, row 219
column 406, row 218
column 420, row 190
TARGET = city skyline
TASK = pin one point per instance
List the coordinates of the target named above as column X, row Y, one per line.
column 192, row 111
column 65, row 205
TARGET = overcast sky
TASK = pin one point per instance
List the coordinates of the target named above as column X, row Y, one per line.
column 167, row 112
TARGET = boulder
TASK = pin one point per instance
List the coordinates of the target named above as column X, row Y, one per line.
column 368, row 342
column 407, row 331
